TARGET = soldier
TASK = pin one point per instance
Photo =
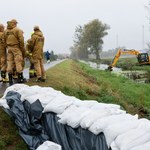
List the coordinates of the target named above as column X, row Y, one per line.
column 36, row 44
column 32, row 72
column 14, row 41
column 2, row 54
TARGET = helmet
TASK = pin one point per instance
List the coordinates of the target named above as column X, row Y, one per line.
column 36, row 28
column 14, row 21
column 2, row 27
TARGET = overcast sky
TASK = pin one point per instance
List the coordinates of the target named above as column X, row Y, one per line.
column 58, row 19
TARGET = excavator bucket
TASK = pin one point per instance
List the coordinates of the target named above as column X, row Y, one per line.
column 109, row 68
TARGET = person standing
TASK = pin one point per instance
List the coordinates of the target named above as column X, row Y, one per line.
column 36, row 44
column 48, row 56
column 32, row 72
column 14, row 41
column 3, row 59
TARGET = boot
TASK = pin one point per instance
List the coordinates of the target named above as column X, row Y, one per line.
column 39, row 79
column 15, row 76
column 3, row 75
column 21, row 79
column 10, row 76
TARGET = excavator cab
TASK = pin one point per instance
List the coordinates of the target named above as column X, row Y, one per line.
column 143, row 58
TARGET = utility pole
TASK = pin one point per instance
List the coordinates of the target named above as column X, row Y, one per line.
column 143, row 37
column 116, row 40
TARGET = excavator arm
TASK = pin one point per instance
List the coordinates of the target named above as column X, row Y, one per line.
column 119, row 53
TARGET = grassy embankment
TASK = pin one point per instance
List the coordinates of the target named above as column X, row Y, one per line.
column 78, row 79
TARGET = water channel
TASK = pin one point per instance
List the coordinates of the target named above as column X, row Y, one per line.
column 137, row 76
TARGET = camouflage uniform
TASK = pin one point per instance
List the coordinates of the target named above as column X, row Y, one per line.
column 32, row 72
column 14, row 41
column 3, row 63
column 36, row 44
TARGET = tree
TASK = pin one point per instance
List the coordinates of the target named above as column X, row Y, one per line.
column 74, row 52
column 89, row 39
column 93, row 34
column 80, row 44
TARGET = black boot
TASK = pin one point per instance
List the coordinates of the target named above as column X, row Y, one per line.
column 39, row 79
column 21, row 79
column 3, row 75
column 10, row 76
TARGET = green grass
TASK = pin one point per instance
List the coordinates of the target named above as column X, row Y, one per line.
column 78, row 79
column 9, row 135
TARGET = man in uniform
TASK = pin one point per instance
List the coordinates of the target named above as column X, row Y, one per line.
column 32, row 72
column 36, row 44
column 2, row 54
column 14, row 41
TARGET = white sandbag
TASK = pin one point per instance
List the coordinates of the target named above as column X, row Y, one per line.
column 59, row 104
column 48, row 145
column 76, row 116
column 37, row 90
column 114, row 146
column 139, row 141
column 33, row 90
column 15, row 88
column 104, row 105
column 3, row 103
column 66, row 115
column 145, row 146
column 85, row 103
column 113, row 130
column 44, row 98
column 126, row 139
column 104, row 122
column 115, row 111
column 88, row 120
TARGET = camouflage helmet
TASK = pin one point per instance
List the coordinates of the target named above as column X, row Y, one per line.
column 14, row 21
column 2, row 27
column 36, row 28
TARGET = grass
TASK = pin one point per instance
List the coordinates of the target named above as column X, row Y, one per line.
column 9, row 135
column 78, row 79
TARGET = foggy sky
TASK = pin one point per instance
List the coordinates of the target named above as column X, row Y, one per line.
column 57, row 19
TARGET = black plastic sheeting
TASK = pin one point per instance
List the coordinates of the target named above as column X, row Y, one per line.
column 35, row 127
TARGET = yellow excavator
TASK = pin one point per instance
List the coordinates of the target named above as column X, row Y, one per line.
column 142, row 57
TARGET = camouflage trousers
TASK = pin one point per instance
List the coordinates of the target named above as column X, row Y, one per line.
column 39, row 68
column 3, row 62
column 14, row 60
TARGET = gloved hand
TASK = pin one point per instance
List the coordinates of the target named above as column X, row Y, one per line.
column 28, row 54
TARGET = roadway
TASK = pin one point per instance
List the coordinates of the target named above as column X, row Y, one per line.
column 3, row 86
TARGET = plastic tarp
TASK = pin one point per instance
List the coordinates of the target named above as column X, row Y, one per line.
column 36, row 127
